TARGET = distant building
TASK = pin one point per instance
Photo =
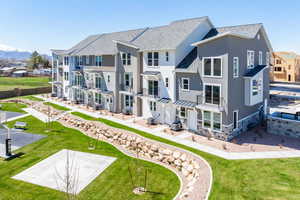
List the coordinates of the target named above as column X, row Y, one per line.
column 19, row 73
column 286, row 67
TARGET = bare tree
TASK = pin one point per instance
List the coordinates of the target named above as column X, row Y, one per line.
column 68, row 179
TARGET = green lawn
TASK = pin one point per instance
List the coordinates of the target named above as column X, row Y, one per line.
column 13, row 107
column 32, row 98
column 264, row 179
column 113, row 184
column 58, row 107
column 9, row 83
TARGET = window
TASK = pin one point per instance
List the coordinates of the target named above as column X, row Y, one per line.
column 185, row 84
column 153, row 58
column 98, row 81
column 250, row 59
column 76, row 60
column 258, row 36
column 267, row 58
column 212, row 94
column 278, row 69
column 98, row 60
column 153, row 87
column 66, row 60
column 235, row 119
column 87, row 60
column 78, row 80
column 182, row 112
column 167, row 56
column 80, row 60
column 212, row 67
column 289, row 67
column 260, row 57
column 66, row 75
column 127, row 79
column 108, row 78
column 98, row 98
column 126, row 58
column 167, row 82
column 207, row 119
column 128, row 101
column 235, row 67
column 254, row 87
column 278, row 61
column 152, row 105
column 212, row 120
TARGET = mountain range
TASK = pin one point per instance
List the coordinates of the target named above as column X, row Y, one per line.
column 8, row 52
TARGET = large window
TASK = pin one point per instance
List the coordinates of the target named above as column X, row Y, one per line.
column 78, row 80
column 182, row 112
column 260, row 58
column 212, row 120
column 250, row 59
column 128, row 100
column 212, row 67
column 98, row 82
column 80, row 60
column 87, row 60
column 235, row 67
column 185, row 84
column 127, row 79
column 152, row 106
column 126, row 58
column 153, row 87
column 98, row 98
column 212, row 94
column 278, row 61
column 66, row 60
column 153, row 58
column 98, row 60
column 66, row 75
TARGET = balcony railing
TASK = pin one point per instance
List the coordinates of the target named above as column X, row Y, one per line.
column 147, row 93
column 126, row 88
column 221, row 105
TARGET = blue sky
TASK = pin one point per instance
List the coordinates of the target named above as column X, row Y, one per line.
column 44, row 25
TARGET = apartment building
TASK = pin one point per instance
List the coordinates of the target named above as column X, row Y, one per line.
column 208, row 78
column 285, row 67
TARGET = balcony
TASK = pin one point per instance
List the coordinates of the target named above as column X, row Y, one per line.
column 147, row 93
column 211, row 107
column 126, row 88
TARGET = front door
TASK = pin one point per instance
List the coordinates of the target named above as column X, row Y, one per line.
column 192, row 120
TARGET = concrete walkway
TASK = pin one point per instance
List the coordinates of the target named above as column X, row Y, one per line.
column 204, row 148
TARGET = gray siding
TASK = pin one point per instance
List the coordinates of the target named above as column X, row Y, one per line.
column 238, row 48
column 196, row 86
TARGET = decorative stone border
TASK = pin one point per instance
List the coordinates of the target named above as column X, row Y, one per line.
column 193, row 171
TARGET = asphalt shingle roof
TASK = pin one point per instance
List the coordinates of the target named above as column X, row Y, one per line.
column 155, row 38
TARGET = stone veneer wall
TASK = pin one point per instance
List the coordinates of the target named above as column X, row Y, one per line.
column 285, row 127
column 228, row 133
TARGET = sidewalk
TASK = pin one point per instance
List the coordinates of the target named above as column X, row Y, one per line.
column 180, row 140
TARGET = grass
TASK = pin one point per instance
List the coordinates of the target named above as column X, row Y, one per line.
column 10, row 83
column 263, row 179
column 113, row 184
column 58, row 107
column 13, row 107
column 32, row 98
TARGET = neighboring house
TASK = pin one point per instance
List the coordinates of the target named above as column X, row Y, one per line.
column 209, row 78
column 285, row 67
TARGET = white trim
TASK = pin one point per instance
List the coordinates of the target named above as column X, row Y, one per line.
column 211, row 120
column 260, row 57
column 212, row 67
column 182, row 88
column 249, row 60
column 219, row 36
column 211, row 84
column 238, row 66
column 237, row 119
